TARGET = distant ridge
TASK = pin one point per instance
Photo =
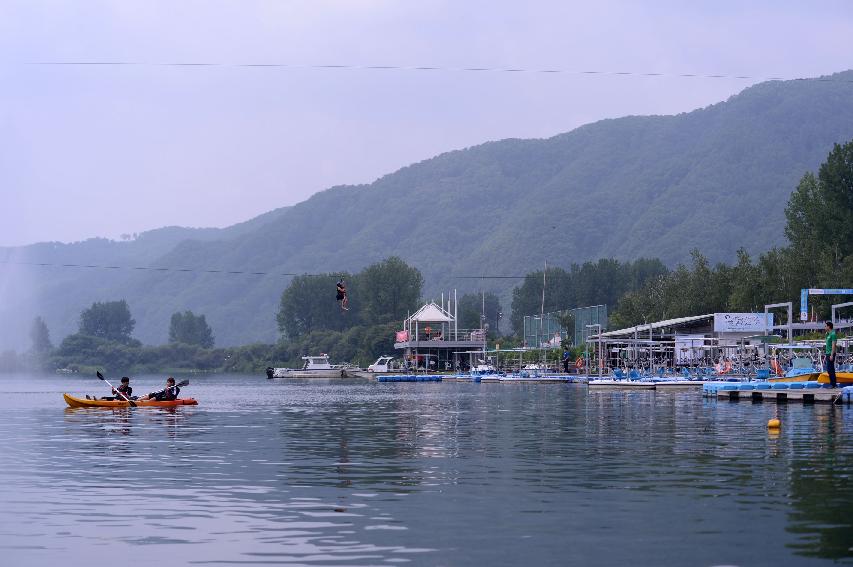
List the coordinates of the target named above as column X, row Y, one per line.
column 716, row 179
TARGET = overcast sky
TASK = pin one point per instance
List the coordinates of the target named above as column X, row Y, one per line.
column 104, row 150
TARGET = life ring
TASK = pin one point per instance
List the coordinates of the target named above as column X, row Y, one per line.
column 579, row 363
column 774, row 364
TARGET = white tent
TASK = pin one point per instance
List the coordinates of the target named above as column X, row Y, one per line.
column 431, row 313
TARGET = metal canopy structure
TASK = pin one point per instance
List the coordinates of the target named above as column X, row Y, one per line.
column 835, row 309
column 646, row 327
column 805, row 293
column 790, row 324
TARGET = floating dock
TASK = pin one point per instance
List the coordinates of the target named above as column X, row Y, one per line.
column 542, row 379
column 502, row 378
column 780, row 392
column 462, row 378
column 614, row 384
column 410, row 378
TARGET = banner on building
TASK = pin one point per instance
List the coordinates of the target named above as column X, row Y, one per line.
column 742, row 322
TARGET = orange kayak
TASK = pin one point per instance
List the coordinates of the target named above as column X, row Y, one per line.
column 84, row 403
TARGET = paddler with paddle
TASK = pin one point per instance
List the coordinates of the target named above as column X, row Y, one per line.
column 123, row 392
column 167, row 394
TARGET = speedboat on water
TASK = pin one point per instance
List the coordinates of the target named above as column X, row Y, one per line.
column 383, row 365
column 313, row 367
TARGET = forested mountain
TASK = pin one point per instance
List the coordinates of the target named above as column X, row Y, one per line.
column 715, row 179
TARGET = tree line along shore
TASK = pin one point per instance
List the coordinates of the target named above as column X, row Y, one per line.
column 819, row 231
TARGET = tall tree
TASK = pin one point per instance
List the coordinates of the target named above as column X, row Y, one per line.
column 471, row 310
column 820, row 210
column 40, row 337
column 746, row 289
column 308, row 304
column 592, row 283
column 387, row 290
column 109, row 320
column 191, row 329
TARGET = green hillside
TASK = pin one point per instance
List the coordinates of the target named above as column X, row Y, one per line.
column 715, row 179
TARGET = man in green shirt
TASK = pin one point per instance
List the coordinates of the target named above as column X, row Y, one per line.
column 831, row 343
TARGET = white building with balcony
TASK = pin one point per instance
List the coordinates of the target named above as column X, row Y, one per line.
column 431, row 340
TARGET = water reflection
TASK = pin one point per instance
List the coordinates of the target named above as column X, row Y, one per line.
column 463, row 474
column 822, row 491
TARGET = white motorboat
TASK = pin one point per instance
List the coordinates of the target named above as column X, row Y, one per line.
column 383, row 365
column 313, row 367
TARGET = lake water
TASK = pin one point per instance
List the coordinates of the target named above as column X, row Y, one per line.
column 360, row 473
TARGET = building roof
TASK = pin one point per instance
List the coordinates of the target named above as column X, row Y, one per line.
column 431, row 313
column 658, row 325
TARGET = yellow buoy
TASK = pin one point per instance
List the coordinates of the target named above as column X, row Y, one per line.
column 774, row 424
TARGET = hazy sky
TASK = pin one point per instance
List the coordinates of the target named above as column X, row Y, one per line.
column 102, row 150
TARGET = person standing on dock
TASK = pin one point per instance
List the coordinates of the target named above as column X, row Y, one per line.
column 831, row 346
column 566, row 357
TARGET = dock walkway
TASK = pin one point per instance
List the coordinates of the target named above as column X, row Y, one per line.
column 805, row 392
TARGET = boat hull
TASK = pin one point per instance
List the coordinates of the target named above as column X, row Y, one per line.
column 808, row 377
column 840, row 378
column 75, row 402
column 289, row 373
column 367, row 374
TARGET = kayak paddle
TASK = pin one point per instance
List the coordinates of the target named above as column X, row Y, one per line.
column 128, row 400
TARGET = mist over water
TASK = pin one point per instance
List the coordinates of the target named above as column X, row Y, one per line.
column 18, row 305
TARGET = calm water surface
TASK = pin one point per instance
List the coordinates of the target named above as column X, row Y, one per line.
column 357, row 473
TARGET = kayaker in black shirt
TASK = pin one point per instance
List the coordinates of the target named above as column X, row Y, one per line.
column 124, row 388
column 167, row 394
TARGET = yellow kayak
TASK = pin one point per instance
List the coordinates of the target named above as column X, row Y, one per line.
column 84, row 403
column 840, row 377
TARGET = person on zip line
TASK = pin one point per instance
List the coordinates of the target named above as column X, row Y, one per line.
column 342, row 294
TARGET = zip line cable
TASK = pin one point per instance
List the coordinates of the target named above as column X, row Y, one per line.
column 210, row 271
column 545, row 71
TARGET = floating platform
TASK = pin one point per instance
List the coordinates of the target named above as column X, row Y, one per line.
column 806, row 392
column 462, row 378
column 541, row 379
column 613, row 384
column 410, row 378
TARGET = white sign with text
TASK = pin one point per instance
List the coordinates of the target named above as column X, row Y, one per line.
column 742, row 322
